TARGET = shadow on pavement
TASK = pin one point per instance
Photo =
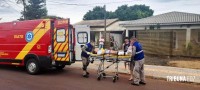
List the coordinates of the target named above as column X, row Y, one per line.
column 20, row 69
column 12, row 68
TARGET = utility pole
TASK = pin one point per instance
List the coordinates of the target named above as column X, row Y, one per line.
column 105, row 23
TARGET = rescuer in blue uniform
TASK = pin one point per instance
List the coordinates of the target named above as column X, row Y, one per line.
column 138, row 58
column 87, row 49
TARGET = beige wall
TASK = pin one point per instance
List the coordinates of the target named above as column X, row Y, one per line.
column 193, row 48
column 118, row 38
column 180, row 42
column 195, row 44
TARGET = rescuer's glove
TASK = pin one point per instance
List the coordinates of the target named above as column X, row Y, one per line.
column 89, row 53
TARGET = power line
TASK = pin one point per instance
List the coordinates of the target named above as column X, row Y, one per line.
column 11, row 6
column 91, row 4
column 73, row 4
column 112, row 2
column 15, row 4
column 3, row 4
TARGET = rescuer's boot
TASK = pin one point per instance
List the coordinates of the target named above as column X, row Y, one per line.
column 143, row 83
column 86, row 76
column 134, row 84
column 87, row 73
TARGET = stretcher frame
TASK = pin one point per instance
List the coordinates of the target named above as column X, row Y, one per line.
column 115, row 60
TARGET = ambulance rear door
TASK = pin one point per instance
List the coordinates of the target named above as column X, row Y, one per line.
column 82, row 37
column 61, row 42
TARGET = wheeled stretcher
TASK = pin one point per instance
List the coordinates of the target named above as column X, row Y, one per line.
column 115, row 57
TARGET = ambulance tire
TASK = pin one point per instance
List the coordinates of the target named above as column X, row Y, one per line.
column 60, row 67
column 32, row 66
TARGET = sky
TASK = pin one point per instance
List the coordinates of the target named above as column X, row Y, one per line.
column 75, row 9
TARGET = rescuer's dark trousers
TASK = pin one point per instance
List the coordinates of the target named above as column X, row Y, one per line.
column 85, row 62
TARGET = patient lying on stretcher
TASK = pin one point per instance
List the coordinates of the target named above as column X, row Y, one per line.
column 113, row 52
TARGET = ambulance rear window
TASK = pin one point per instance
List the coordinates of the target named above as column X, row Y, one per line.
column 60, row 35
column 82, row 37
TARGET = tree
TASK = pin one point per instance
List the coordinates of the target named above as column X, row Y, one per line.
column 52, row 17
column 98, row 13
column 123, row 12
column 110, row 15
column 23, row 2
column 34, row 9
column 133, row 12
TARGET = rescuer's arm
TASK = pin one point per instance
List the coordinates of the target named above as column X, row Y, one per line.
column 123, row 46
column 133, row 51
column 84, row 48
column 93, row 49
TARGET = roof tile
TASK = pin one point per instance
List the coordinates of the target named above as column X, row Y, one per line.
column 166, row 18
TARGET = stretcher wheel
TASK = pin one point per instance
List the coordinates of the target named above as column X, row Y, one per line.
column 99, row 77
column 104, row 74
column 92, row 61
column 117, row 76
column 114, row 79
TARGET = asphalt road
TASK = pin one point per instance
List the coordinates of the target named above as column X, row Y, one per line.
column 12, row 78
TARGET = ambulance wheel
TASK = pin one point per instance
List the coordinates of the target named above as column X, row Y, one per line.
column 32, row 66
column 60, row 67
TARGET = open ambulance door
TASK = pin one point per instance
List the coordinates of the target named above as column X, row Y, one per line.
column 82, row 37
column 72, row 44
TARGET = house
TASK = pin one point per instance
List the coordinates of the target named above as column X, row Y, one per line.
column 112, row 30
column 173, row 33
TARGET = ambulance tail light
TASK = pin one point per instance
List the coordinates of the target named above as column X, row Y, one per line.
column 49, row 49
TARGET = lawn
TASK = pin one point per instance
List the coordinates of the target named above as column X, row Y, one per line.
column 193, row 63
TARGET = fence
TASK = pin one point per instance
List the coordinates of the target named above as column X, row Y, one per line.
column 169, row 42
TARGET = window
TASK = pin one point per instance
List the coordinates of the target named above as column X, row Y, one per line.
column 198, row 36
column 82, row 37
column 60, row 35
